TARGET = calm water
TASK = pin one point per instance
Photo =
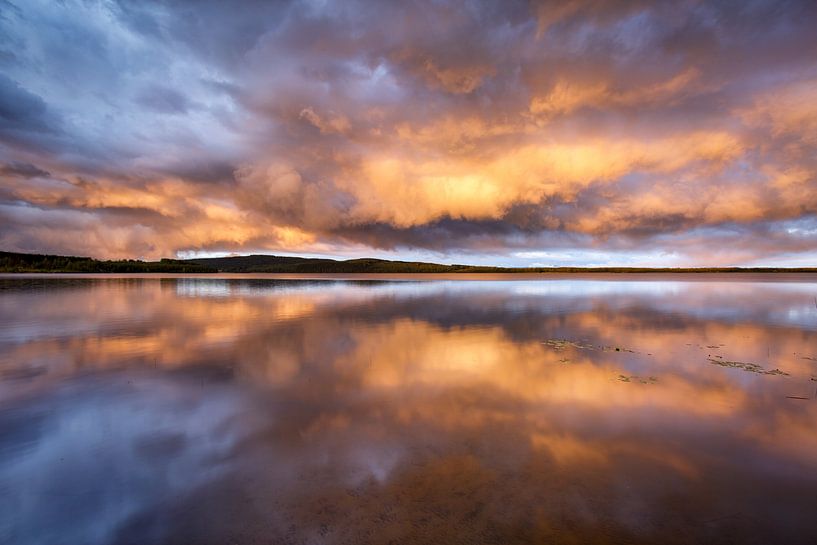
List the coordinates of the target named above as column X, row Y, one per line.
column 569, row 410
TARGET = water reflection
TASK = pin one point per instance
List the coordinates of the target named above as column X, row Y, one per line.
column 254, row 411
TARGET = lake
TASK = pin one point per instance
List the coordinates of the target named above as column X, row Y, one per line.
column 408, row 409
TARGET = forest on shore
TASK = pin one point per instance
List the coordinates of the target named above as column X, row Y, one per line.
column 11, row 262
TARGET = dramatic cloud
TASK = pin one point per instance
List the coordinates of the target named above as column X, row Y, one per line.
column 575, row 132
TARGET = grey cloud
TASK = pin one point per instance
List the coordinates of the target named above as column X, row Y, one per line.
column 204, row 170
column 164, row 100
column 21, row 110
column 23, row 170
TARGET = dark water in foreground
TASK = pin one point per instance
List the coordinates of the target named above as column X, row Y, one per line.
column 222, row 411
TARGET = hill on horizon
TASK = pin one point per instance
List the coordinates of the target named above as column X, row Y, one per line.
column 261, row 263
column 15, row 262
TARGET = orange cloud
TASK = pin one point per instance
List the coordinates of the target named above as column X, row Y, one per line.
column 566, row 97
column 484, row 188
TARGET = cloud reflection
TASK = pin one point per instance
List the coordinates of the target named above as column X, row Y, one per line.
column 215, row 410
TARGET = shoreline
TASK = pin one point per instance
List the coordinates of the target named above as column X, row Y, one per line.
column 788, row 276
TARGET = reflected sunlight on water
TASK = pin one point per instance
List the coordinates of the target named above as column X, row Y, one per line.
column 148, row 410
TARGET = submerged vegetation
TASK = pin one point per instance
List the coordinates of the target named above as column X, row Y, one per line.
column 751, row 367
column 637, row 379
column 561, row 344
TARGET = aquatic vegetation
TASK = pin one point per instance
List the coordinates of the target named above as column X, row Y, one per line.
column 750, row 367
column 561, row 344
column 617, row 349
column 637, row 379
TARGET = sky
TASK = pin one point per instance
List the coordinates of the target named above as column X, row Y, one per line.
column 580, row 132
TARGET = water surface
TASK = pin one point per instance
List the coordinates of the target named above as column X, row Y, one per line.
column 220, row 410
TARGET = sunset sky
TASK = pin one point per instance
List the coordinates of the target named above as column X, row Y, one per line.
column 584, row 132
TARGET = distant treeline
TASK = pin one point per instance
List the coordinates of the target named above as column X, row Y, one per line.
column 280, row 264
column 20, row 263
column 26, row 263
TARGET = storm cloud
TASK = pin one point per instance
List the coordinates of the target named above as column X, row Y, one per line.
column 574, row 132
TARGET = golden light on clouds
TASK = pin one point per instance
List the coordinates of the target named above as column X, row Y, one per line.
column 627, row 131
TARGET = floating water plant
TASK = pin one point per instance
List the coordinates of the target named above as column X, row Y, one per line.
column 638, row 379
column 750, row 367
